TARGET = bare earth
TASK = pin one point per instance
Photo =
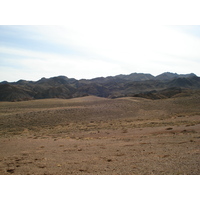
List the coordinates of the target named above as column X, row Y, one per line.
column 92, row 135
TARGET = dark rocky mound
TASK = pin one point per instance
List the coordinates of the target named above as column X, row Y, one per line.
column 163, row 94
column 165, row 85
column 13, row 93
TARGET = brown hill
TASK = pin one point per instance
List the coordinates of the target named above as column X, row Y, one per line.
column 93, row 135
column 13, row 93
column 140, row 85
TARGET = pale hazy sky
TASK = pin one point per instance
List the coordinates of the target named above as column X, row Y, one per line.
column 97, row 39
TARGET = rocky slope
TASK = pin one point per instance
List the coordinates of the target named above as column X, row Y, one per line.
column 165, row 85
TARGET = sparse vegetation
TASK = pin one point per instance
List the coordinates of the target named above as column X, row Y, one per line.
column 93, row 135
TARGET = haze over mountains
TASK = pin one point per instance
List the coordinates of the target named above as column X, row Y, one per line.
column 165, row 85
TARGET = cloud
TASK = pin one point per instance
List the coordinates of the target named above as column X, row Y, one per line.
column 34, row 65
column 100, row 49
column 122, row 43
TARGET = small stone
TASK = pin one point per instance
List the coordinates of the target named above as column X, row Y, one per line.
column 11, row 170
column 41, row 166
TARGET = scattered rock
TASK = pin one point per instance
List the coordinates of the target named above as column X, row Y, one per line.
column 11, row 170
column 27, row 162
column 184, row 131
column 120, row 154
column 41, row 166
column 164, row 156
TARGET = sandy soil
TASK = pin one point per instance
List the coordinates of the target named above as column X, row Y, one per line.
column 92, row 135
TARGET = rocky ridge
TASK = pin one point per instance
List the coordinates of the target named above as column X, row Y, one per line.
column 165, row 85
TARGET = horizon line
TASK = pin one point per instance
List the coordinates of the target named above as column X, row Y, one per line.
column 98, row 76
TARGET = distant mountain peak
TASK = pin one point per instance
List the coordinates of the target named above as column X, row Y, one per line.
column 170, row 75
column 110, row 86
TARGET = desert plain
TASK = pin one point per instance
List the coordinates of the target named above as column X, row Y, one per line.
column 100, row 136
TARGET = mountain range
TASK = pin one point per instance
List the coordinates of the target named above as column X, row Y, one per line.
column 165, row 85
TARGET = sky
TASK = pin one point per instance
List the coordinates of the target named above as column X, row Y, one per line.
column 94, row 40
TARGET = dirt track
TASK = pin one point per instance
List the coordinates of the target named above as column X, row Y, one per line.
column 94, row 135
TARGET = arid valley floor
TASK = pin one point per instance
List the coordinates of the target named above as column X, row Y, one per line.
column 93, row 135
